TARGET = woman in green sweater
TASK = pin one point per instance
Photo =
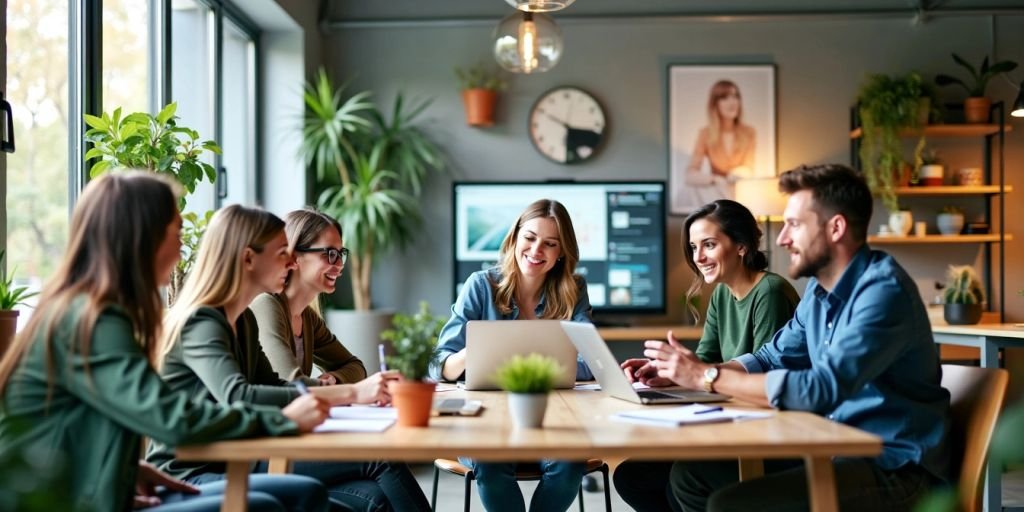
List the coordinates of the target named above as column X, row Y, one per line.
column 77, row 385
column 748, row 305
column 210, row 349
column 292, row 332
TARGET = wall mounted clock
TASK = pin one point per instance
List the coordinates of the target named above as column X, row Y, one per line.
column 567, row 125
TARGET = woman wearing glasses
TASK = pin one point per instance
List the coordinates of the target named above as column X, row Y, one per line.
column 210, row 349
column 292, row 333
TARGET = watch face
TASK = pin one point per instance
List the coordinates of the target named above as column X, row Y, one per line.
column 566, row 125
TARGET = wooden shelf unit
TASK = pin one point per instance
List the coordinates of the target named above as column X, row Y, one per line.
column 952, row 190
column 947, row 130
column 937, row 239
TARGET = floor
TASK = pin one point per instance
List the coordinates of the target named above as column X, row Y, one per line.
column 449, row 494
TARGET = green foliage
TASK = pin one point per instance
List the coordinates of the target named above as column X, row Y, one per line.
column 963, row 286
column 33, row 478
column 951, row 209
column 414, row 340
column 887, row 104
column 192, row 229
column 979, row 77
column 370, row 169
column 154, row 143
column 531, row 374
column 480, row 76
column 10, row 295
column 930, row 157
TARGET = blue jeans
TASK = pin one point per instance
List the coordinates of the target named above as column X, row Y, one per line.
column 267, row 493
column 499, row 491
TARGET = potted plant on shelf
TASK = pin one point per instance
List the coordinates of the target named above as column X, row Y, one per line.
column 963, row 296
column 157, row 144
column 950, row 220
column 932, row 171
column 886, row 105
column 528, row 380
column 370, row 168
column 11, row 296
column 480, row 87
column 413, row 341
column 977, row 105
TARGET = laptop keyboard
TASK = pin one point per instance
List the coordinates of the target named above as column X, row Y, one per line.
column 656, row 394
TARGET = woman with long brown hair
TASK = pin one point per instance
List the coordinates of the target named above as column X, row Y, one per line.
column 78, row 383
column 535, row 278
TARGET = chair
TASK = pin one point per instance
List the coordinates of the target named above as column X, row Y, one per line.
column 525, row 472
column 976, row 397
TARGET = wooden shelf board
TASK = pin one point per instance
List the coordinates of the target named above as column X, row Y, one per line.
column 948, row 130
column 937, row 239
column 951, row 190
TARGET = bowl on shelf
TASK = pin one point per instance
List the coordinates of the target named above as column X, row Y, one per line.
column 969, row 177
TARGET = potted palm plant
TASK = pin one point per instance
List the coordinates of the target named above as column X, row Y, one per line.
column 158, row 144
column 963, row 296
column 528, row 381
column 11, row 296
column 370, row 168
column 480, row 87
column 977, row 105
column 414, row 340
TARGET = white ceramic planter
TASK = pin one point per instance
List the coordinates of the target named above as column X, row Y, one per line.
column 901, row 222
column 950, row 223
column 527, row 409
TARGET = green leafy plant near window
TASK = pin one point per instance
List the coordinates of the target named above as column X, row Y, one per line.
column 370, row 169
column 414, row 341
column 887, row 104
column 531, row 374
column 158, row 144
column 10, row 295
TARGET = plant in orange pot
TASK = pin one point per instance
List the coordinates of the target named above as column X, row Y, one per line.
column 480, row 87
column 413, row 342
column 10, row 297
column 976, row 106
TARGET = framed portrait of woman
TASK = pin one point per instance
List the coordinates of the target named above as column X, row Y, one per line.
column 721, row 129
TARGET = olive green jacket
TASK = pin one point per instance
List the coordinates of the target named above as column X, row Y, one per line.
column 212, row 365
column 99, row 405
column 321, row 347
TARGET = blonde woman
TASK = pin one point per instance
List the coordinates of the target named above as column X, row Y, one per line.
column 78, row 385
column 727, row 144
column 535, row 279
column 210, row 349
column 292, row 333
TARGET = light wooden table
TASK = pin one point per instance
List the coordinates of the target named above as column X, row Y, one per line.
column 577, row 426
column 988, row 339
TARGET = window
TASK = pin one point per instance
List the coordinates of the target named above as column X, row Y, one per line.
column 192, row 27
column 237, row 111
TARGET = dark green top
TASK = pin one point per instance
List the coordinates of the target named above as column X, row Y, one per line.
column 101, row 403
column 212, row 365
column 736, row 327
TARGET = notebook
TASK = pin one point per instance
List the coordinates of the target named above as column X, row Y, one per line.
column 693, row 414
column 602, row 363
column 489, row 343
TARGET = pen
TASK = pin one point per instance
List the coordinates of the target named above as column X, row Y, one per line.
column 709, row 409
column 301, row 386
column 380, row 352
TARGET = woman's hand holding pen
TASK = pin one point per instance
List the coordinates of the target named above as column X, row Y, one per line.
column 374, row 389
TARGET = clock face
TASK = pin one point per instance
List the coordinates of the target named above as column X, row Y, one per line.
column 566, row 125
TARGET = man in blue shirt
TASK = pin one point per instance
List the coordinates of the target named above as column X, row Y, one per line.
column 858, row 350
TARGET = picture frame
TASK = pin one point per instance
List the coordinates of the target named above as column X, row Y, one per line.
column 706, row 157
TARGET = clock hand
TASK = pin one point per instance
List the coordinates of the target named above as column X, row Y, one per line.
column 557, row 120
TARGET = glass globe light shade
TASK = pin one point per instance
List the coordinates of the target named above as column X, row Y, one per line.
column 540, row 5
column 527, row 42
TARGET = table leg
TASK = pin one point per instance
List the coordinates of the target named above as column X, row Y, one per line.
column 751, row 469
column 821, row 482
column 237, row 490
column 993, row 492
column 279, row 466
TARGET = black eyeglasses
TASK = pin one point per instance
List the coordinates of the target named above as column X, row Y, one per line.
column 332, row 254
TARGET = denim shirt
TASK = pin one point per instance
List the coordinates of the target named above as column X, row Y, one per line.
column 476, row 302
column 863, row 354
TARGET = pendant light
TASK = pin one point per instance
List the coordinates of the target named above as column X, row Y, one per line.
column 540, row 5
column 527, row 42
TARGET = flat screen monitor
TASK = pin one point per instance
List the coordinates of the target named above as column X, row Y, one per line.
column 620, row 228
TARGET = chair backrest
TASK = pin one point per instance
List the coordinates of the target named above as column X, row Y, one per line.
column 976, row 397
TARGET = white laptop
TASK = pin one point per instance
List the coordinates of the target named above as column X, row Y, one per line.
column 489, row 343
column 613, row 381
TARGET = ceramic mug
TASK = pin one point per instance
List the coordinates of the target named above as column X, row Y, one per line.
column 969, row 176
